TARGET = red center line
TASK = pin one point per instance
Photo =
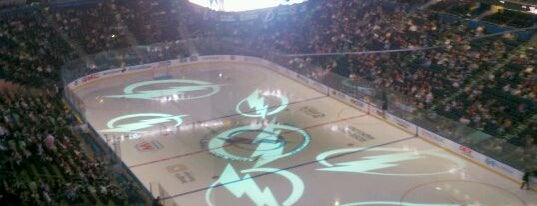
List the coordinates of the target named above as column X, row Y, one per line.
column 227, row 145
column 177, row 156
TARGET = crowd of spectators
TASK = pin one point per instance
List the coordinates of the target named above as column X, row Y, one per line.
column 47, row 165
column 42, row 160
column 443, row 72
column 444, row 77
column 496, row 14
column 30, row 50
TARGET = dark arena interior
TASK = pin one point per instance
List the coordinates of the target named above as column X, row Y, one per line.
column 268, row 102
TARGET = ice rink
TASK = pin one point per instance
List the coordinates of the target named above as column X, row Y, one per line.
column 240, row 134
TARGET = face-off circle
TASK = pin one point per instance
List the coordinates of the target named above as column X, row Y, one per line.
column 461, row 192
column 259, row 143
column 246, row 140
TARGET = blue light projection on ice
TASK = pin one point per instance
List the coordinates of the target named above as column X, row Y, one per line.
column 393, row 158
column 143, row 121
column 259, row 108
column 270, row 143
column 185, row 90
column 240, row 186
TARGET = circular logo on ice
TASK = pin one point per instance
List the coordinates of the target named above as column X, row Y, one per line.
column 385, row 158
column 174, row 89
column 257, row 104
column 139, row 122
column 257, row 143
column 239, row 186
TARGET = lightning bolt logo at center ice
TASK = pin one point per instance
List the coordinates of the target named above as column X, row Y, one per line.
column 141, row 124
column 257, row 102
column 266, row 150
column 372, row 163
column 246, row 186
column 268, row 142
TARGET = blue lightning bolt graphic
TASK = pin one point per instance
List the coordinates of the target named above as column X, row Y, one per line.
column 161, row 93
column 266, row 139
column 246, row 186
column 373, row 163
column 191, row 85
column 142, row 124
column 257, row 102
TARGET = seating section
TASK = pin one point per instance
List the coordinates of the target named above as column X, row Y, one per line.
column 42, row 160
column 443, row 62
column 31, row 52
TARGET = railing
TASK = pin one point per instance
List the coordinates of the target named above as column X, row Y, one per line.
column 400, row 110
